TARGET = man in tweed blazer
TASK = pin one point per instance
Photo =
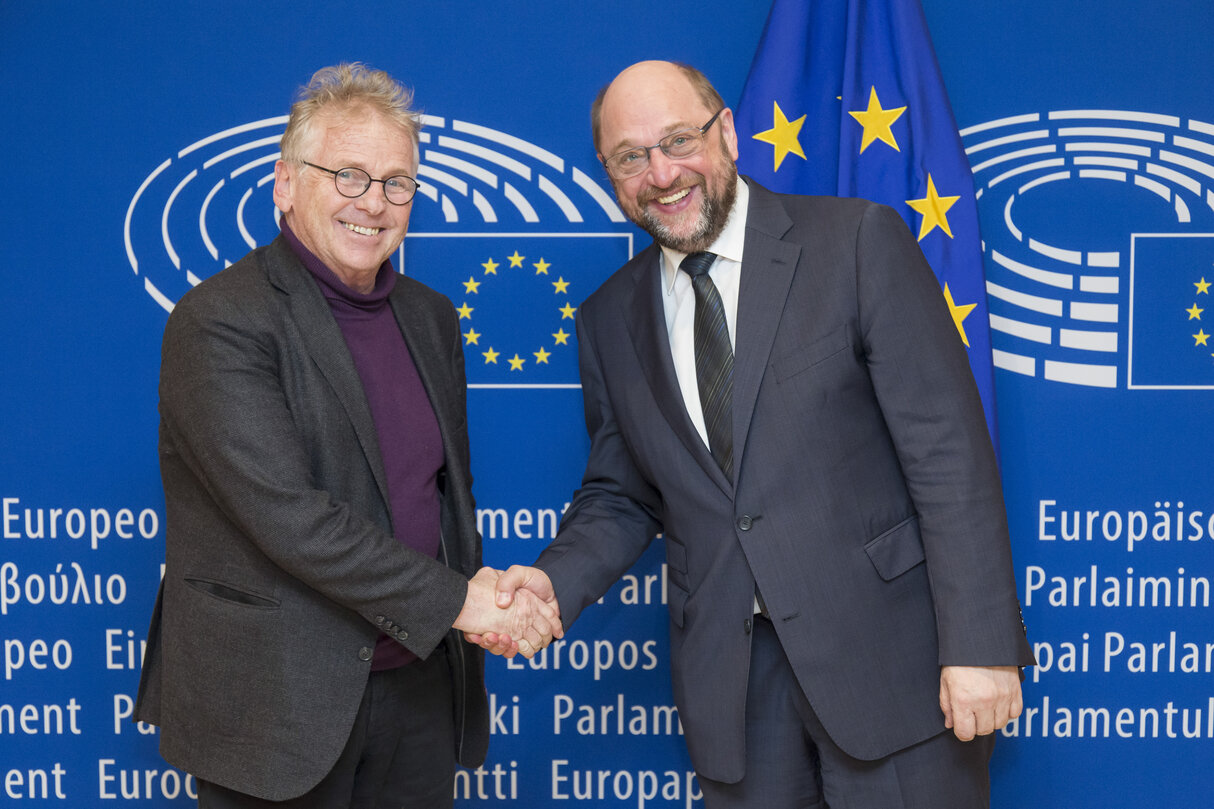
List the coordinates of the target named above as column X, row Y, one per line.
column 321, row 539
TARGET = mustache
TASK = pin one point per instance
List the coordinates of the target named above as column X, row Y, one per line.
column 651, row 194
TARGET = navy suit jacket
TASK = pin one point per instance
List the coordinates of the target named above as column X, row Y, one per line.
column 865, row 501
column 281, row 568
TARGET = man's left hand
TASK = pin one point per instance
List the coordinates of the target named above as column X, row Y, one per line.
column 978, row 700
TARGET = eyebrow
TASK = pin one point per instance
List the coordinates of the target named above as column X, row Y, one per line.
column 625, row 146
column 358, row 164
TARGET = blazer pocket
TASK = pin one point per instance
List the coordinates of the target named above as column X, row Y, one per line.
column 676, row 577
column 676, row 563
column 676, row 603
column 804, row 358
column 897, row 550
column 227, row 592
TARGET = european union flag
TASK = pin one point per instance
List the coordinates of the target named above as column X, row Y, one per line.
column 517, row 295
column 845, row 98
column 1171, row 280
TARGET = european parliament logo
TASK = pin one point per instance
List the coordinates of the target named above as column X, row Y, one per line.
column 514, row 235
column 1098, row 233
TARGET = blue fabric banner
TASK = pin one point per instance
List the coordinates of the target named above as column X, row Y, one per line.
column 1091, row 147
column 844, row 97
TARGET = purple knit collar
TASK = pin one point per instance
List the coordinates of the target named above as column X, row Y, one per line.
column 331, row 285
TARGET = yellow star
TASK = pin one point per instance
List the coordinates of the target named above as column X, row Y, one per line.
column 516, row 260
column 490, row 267
column 465, row 312
column 960, row 313
column 490, row 356
column 516, row 363
column 1201, row 338
column 470, row 286
column 541, row 266
column 562, row 286
column 1194, row 312
column 877, row 122
column 472, row 335
column 933, row 207
column 567, row 311
column 561, row 337
column 1203, row 286
column 542, row 355
column 783, row 135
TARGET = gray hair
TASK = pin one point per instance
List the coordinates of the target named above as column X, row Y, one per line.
column 343, row 88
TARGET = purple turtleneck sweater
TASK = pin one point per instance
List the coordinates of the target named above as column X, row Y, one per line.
column 405, row 425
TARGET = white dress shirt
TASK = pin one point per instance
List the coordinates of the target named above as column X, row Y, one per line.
column 679, row 303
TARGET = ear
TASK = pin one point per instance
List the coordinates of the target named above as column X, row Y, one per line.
column 728, row 132
column 284, row 177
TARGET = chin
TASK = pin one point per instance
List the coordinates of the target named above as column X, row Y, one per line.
column 681, row 236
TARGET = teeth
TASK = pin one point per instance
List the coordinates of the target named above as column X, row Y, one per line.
column 360, row 229
column 675, row 197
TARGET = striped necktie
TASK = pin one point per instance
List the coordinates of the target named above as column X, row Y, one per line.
column 714, row 360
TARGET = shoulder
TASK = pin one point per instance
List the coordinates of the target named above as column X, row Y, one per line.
column 252, row 300
column 620, row 286
column 816, row 214
column 235, row 287
column 424, row 314
column 423, row 303
column 421, row 295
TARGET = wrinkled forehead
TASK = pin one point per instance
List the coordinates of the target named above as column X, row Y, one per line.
column 364, row 133
column 640, row 113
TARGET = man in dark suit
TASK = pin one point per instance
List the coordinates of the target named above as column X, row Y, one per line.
column 321, row 536
column 793, row 410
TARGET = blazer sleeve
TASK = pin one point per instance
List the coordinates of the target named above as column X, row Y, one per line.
column 931, row 406
column 612, row 516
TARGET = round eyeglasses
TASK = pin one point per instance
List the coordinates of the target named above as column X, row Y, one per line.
column 353, row 183
column 676, row 146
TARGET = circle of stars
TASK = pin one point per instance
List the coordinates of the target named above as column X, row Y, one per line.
column 491, row 355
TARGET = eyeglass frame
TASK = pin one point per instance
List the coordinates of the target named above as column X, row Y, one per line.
column 702, row 130
column 416, row 183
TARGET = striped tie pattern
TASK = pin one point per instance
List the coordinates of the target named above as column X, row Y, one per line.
column 714, row 359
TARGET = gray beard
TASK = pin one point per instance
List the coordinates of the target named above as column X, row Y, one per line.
column 714, row 213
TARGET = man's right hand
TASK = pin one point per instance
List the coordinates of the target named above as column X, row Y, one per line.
column 522, row 622
column 518, row 583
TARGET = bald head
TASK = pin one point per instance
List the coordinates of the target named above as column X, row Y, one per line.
column 670, row 78
column 680, row 191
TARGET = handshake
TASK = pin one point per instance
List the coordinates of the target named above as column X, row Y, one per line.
column 510, row 613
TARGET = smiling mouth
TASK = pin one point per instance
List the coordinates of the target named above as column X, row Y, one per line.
column 365, row 231
column 670, row 199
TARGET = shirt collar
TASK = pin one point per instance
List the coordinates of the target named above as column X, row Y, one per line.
column 728, row 244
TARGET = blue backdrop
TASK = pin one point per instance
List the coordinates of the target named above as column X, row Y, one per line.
column 138, row 139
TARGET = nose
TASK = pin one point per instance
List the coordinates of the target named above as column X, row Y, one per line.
column 663, row 170
column 373, row 200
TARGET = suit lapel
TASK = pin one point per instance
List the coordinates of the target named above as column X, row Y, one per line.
column 768, row 266
column 326, row 346
column 646, row 321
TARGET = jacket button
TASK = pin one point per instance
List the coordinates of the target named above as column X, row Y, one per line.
column 748, row 624
column 402, row 635
column 745, row 522
column 379, row 619
column 365, row 654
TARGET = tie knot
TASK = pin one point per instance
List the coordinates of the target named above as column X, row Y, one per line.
column 697, row 264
